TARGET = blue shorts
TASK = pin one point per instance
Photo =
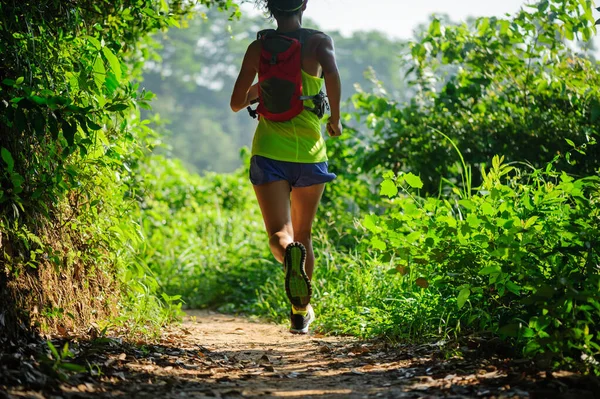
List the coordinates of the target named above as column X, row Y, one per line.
column 265, row 170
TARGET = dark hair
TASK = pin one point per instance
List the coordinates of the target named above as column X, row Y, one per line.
column 281, row 8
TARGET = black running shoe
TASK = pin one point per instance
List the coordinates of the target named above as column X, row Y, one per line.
column 301, row 322
column 297, row 283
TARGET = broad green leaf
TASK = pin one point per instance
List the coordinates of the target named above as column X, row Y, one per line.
column 95, row 42
column 463, row 295
column 378, row 244
column 8, row 159
column 514, row 288
column 99, row 72
column 413, row 180
column 490, row 270
column 528, row 333
column 117, row 107
column 164, row 7
column 435, row 28
column 484, row 24
column 370, row 223
column 113, row 61
column 570, row 142
column 111, row 84
column 473, row 221
column 17, row 181
column 488, row 209
column 530, row 222
column 388, row 188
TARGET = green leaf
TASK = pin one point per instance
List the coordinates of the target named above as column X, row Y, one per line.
column 39, row 100
column 19, row 80
column 111, row 84
column 117, row 107
column 530, row 222
column 463, row 295
column 488, row 209
column 72, row 367
column 65, row 350
column 17, row 181
column 490, row 270
column 570, row 142
column 53, row 350
column 113, row 61
column 528, row 333
column 99, row 72
column 92, row 125
column 8, row 159
column 388, row 188
column 435, row 28
column 378, row 244
column 8, row 82
column 514, row 288
column 370, row 223
column 413, row 180
column 94, row 42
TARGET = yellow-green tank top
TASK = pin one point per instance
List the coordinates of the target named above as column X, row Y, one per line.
column 297, row 140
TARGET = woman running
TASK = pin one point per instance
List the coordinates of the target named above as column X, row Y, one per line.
column 290, row 155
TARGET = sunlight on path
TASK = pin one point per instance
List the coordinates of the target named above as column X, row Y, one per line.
column 219, row 356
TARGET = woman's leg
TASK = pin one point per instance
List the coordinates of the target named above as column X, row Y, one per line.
column 274, row 201
column 305, row 201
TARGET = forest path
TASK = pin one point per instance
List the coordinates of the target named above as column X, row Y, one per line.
column 220, row 356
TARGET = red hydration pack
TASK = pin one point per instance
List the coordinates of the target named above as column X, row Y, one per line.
column 280, row 75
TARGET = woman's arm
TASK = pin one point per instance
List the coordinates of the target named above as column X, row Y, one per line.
column 326, row 57
column 243, row 90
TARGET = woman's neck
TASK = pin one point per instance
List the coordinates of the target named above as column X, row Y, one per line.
column 289, row 24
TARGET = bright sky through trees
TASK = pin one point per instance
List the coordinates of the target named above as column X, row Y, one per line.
column 397, row 18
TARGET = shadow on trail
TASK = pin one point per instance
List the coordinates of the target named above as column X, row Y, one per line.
column 263, row 361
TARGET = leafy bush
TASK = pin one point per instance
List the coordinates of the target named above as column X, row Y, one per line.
column 70, row 143
column 205, row 239
column 518, row 257
column 511, row 86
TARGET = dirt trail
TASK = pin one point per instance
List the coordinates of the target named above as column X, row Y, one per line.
column 219, row 356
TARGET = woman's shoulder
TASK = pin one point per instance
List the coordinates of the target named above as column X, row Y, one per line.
column 316, row 38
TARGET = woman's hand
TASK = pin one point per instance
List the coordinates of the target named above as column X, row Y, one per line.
column 334, row 127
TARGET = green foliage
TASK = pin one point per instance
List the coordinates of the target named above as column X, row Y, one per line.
column 518, row 258
column 71, row 143
column 215, row 253
column 511, row 86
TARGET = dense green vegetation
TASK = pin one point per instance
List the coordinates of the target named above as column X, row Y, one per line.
column 467, row 201
column 72, row 144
